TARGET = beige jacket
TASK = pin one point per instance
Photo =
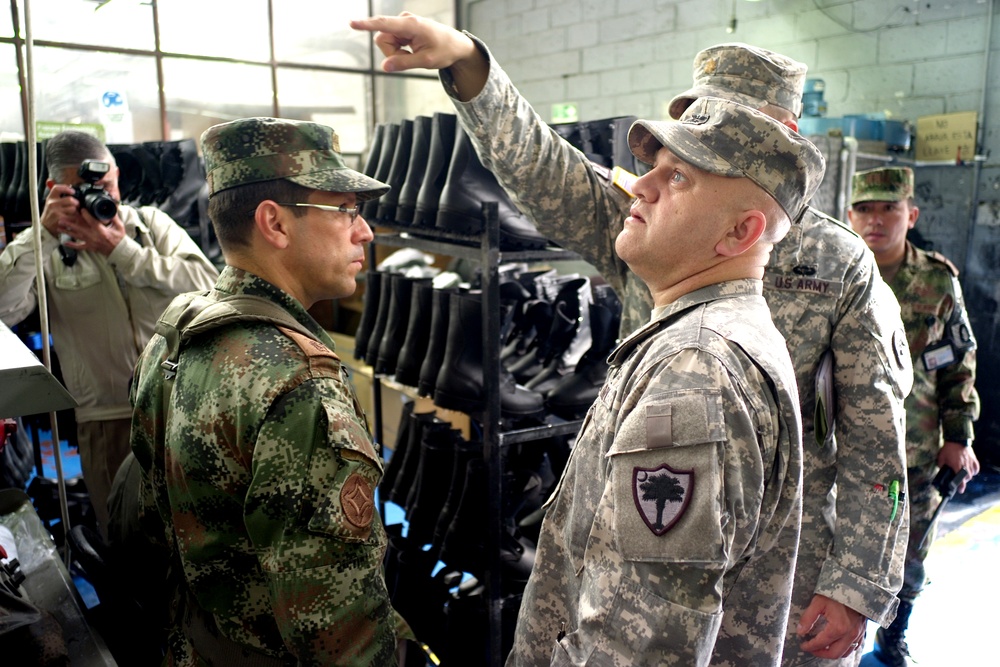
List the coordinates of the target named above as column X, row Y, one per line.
column 102, row 310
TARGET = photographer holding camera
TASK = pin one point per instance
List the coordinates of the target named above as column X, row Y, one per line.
column 110, row 270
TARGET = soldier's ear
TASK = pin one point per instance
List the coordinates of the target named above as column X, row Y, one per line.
column 741, row 236
column 914, row 214
column 271, row 222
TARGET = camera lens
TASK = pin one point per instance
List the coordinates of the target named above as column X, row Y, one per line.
column 100, row 205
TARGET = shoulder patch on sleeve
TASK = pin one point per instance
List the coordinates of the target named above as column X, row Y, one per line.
column 311, row 346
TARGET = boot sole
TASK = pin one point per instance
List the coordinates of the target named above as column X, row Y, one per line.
column 460, row 223
column 443, row 399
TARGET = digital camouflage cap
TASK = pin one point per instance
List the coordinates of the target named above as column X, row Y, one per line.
column 252, row 150
column 882, row 184
column 745, row 74
column 730, row 139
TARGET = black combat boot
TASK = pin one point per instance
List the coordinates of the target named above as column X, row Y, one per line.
column 433, row 480
column 438, row 341
column 418, row 333
column 394, row 464
column 443, row 128
column 573, row 395
column 369, row 209
column 381, row 317
column 890, row 643
column 459, row 384
column 419, row 153
column 369, row 313
column 469, row 184
column 386, row 212
column 394, row 334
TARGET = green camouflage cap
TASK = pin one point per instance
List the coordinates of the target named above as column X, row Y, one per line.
column 745, row 74
column 730, row 139
column 251, row 150
column 882, row 184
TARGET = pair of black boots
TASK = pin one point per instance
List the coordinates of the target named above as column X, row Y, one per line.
column 563, row 329
column 439, row 183
column 603, row 141
column 432, row 339
column 440, row 481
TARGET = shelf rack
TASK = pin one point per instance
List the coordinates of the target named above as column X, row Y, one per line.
column 485, row 249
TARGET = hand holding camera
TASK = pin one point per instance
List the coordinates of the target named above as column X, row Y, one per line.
column 84, row 216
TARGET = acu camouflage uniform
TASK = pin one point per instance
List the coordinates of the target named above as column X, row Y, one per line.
column 671, row 538
column 825, row 294
column 696, row 400
column 258, row 466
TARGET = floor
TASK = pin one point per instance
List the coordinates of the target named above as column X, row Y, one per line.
column 953, row 620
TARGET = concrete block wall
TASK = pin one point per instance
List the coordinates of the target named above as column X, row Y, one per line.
column 905, row 58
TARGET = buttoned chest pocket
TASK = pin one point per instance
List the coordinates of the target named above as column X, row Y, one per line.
column 83, row 274
column 666, row 476
column 345, row 508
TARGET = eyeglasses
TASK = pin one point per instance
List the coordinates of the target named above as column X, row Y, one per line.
column 343, row 208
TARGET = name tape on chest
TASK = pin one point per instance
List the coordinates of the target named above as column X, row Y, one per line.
column 804, row 284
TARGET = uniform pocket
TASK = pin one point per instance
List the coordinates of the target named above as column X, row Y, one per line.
column 83, row 274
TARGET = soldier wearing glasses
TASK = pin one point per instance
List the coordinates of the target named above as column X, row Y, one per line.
column 255, row 453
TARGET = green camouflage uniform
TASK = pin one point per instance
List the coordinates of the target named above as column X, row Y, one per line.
column 257, row 464
column 263, row 443
column 697, row 394
column 825, row 293
column 943, row 403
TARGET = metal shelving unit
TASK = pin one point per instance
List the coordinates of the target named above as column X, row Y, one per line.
column 495, row 439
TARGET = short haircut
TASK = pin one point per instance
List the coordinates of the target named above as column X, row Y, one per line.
column 67, row 150
column 231, row 210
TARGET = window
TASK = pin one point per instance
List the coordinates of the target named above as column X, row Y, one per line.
column 98, row 62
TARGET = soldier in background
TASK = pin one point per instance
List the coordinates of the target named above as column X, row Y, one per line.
column 822, row 286
column 261, row 474
column 943, row 404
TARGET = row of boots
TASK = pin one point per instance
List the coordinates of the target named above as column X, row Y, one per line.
column 441, row 482
column 556, row 332
column 438, row 181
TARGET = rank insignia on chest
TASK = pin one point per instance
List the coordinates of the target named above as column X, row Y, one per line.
column 661, row 495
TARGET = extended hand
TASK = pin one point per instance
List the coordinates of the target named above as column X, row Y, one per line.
column 408, row 41
column 829, row 629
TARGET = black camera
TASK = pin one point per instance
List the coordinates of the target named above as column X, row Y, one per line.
column 92, row 196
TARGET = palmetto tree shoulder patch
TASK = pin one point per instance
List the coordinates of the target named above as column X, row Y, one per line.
column 661, row 495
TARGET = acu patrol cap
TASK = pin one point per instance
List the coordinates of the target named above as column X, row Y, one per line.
column 252, row 150
column 882, row 184
column 730, row 139
column 745, row 74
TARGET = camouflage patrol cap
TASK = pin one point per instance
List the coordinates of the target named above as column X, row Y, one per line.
column 882, row 184
column 734, row 140
column 252, row 150
column 745, row 74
